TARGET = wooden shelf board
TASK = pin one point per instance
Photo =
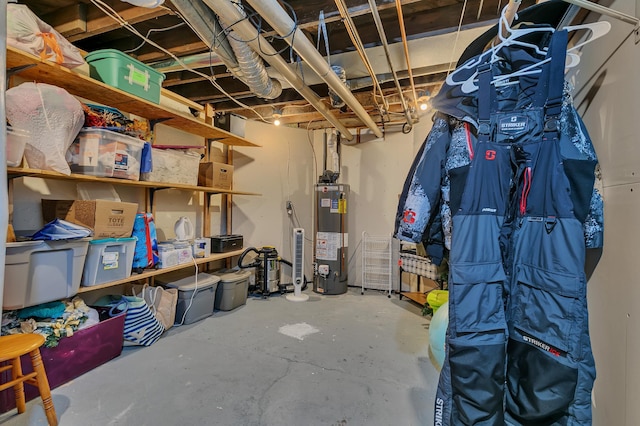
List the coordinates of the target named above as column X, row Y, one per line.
column 88, row 88
column 419, row 298
column 48, row 174
column 153, row 272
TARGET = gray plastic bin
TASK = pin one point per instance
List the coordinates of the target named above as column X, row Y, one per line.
column 42, row 271
column 203, row 300
column 232, row 290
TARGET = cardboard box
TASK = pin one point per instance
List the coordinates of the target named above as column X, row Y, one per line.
column 217, row 175
column 85, row 350
column 107, row 219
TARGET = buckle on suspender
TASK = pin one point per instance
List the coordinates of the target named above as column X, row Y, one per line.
column 552, row 124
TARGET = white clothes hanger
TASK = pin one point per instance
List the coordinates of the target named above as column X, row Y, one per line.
column 516, row 33
column 597, row 30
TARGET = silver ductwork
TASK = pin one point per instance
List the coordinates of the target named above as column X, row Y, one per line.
column 205, row 24
column 227, row 11
column 250, row 63
column 238, row 57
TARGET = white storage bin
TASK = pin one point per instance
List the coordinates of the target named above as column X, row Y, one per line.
column 107, row 260
column 173, row 166
column 184, row 250
column 100, row 152
column 42, row 271
column 167, row 255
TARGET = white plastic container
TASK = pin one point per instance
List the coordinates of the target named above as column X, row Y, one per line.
column 201, row 247
column 16, row 141
column 173, row 166
column 100, row 152
column 107, row 260
column 192, row 307
column 42, row 271
column 167, row 255
column 185, row 253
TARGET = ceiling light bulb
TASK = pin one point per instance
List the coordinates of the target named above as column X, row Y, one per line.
column 423, row 106
column 277, row 114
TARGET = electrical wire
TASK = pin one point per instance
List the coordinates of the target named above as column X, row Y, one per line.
column 455, row 43
column 357, row 42
column 154, row 30
column 195, row 290
column 109, row 11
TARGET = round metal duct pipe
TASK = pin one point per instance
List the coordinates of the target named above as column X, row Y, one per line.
column 238, row 57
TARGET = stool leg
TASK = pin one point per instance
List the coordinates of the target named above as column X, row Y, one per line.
column 18, row 388
column 43, row 387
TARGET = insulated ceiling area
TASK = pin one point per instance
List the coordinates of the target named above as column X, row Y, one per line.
column 197, row 32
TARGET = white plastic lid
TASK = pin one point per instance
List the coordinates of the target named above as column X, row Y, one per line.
column 189, row 283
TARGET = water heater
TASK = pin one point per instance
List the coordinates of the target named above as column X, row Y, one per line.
column 331, row 239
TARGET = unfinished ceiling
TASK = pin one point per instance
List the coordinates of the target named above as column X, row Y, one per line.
column 295, row 91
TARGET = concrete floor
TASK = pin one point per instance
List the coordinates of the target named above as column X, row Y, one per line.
column 367, row 364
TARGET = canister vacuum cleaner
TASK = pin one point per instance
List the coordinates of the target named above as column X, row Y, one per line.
column 267, row 264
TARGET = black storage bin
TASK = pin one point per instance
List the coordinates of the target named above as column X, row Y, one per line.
column 225, row 243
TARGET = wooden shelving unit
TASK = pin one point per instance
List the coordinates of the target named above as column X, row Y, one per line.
column 418, row 297
column 153, row 272
column 34, row 68
column 46, row 174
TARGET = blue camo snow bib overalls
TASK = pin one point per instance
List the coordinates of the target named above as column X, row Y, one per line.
column 550, row 366
column 518, row 349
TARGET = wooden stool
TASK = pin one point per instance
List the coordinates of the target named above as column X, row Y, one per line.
column 12, row 347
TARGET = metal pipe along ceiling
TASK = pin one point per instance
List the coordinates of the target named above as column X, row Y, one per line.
column 278, row 18
column 405, row 44
column 383, row 38
column 227, row 11
column 350, row 26
column 239, row 59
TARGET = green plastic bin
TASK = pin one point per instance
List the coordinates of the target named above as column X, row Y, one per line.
column 120, row 70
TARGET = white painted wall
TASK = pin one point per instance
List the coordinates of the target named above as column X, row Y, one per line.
column 607, row 95
column 284, row 169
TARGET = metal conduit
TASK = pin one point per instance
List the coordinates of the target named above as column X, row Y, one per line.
column 278, row 18
column 227, row 11
column 383, row 38
column 405, row 44
column 594, row 7
column 357, row 42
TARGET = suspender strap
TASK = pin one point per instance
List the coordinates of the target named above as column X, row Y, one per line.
column 558, row 51
column 550, row 86
column 484, row 101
